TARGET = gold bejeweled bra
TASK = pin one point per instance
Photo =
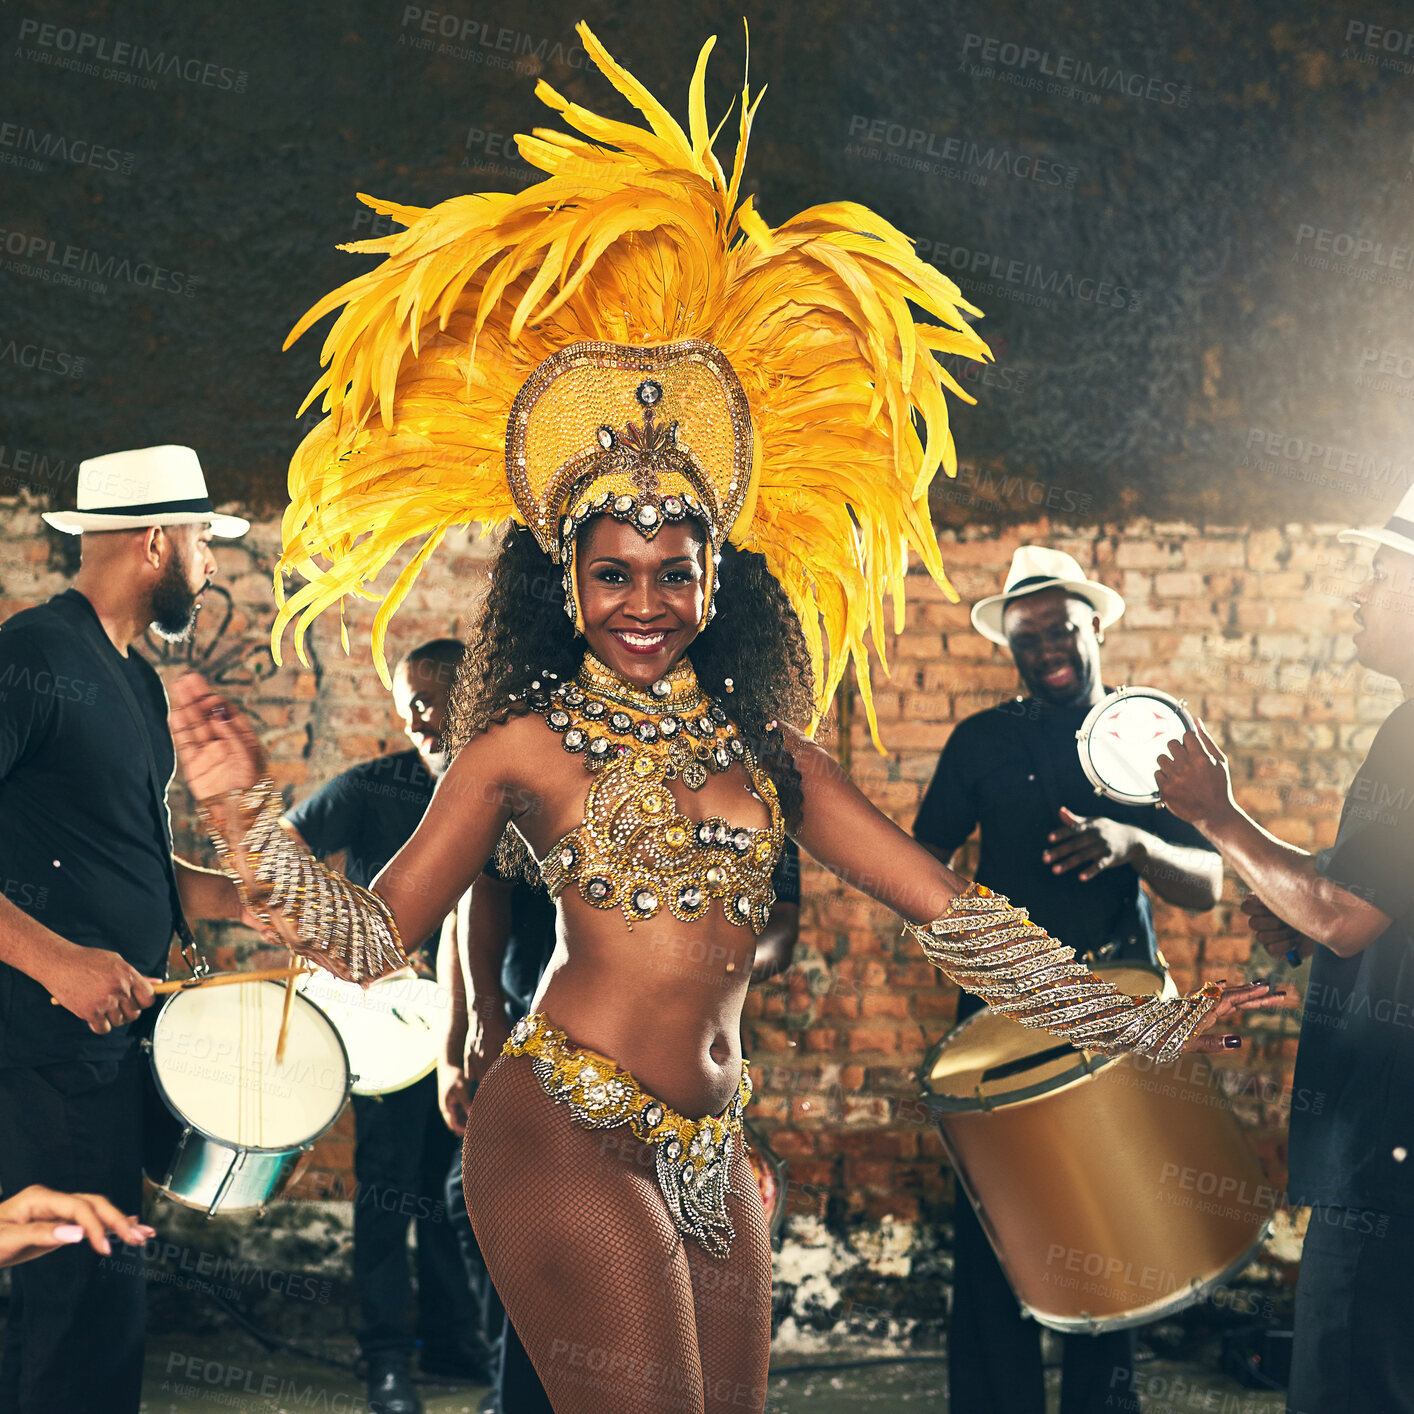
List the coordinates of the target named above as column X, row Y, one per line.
column 634, row 849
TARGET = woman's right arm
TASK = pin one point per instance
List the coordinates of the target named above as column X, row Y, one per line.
column 355, row 933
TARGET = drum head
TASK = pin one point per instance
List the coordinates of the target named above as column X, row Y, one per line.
column 1120, row 742
column 213, row 1056
column 990, row 1060
column 393, row 1030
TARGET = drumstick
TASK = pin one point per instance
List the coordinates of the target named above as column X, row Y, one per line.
column 222, row 979
column 285, row 1019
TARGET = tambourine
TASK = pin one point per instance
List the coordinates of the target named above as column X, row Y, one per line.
column 1121, row 740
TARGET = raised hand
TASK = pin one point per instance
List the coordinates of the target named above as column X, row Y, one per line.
column 216, row 747
column 1193, row 779
column 1250, row 996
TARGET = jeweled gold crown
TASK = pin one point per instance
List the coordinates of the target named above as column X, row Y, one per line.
column 648, row 435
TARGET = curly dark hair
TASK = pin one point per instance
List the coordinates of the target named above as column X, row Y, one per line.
column 521, row 632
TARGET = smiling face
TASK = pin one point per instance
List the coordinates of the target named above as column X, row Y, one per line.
column 1384, row 615
column 422, row 688
column 1055, row 639
column 642, row 599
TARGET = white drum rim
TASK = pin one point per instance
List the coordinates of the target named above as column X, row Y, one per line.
column 1087, row 727
column 220, row 1139
column 359, row 1085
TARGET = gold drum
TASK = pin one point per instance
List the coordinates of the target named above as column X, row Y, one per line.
column 1113, row 1191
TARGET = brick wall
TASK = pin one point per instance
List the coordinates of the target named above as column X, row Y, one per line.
column 1252, row 627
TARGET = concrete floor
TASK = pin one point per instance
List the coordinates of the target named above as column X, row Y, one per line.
column 205, row 1374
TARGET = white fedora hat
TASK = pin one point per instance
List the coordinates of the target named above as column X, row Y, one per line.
column 151, row 486
column 1397, row 532
column 1034, row 568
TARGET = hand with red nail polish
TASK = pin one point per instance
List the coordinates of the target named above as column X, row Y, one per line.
column 1248, row 996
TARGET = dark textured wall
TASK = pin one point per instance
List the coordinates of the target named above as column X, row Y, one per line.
column 1189, row 224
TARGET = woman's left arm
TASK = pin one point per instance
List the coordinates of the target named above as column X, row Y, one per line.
column 982, row 943
column 843, row 830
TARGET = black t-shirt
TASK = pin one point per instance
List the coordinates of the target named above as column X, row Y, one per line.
column 1010, row 769
column 530, row 945
column 369, row 812
column 1352, row 1108
column 83, row 849
column 785, row 879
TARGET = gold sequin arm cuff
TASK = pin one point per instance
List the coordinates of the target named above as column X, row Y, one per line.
column 346, row 929
column 990, row 948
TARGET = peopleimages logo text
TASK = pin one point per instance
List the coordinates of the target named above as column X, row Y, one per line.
column 85, row 50
column 990, row 157
column 1067, row 68
column 41, row 253
column 1040, row 280
column 26, row 142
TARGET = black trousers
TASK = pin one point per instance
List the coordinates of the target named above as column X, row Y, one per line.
column 1352, row 1351
column 994, row 1352
column 518, row 1388
column 74, row 1337
column 400, row 1160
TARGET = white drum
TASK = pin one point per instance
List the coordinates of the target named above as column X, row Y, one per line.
column 1121, row 740
column 244, row 1118
column 393, row 1030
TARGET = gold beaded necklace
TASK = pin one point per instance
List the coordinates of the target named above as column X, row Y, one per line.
column 634, row 850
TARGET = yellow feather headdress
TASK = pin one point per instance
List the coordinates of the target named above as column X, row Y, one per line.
column 635, row 237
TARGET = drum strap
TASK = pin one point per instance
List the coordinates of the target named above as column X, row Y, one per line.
column 85, row 628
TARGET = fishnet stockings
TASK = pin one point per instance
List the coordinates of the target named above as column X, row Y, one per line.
column 618, row 1312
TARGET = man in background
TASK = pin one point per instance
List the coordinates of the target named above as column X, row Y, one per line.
column 1075, row 861
column 90, row 899
column 1350, row 909
column 402, row 1148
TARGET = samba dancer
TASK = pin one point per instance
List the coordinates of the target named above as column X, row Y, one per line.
column 509, row 930
column 402, row 1150
column 92, row 897
column 687, row 414
column 1350, row 909
column 1075, row 859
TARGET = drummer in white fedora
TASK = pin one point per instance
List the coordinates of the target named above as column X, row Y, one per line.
column 1037, row 567
column 1349, row 908
column 92, row 896
column 1075, row 861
